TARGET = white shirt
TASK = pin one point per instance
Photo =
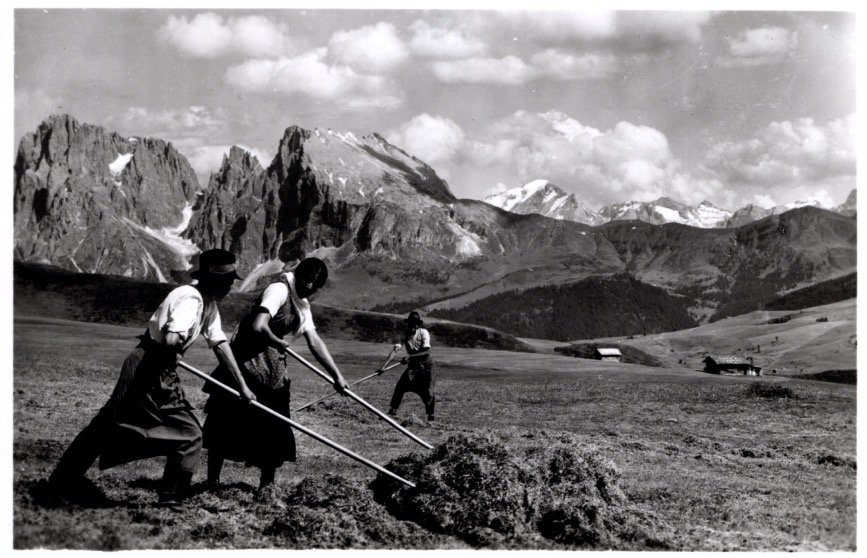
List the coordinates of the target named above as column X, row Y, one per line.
column 275, row 296
column 419, row 340
column 184, row 312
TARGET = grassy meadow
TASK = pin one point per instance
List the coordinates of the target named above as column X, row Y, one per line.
column 719, row 464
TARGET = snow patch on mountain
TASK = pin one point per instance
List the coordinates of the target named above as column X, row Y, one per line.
column 543, row 198
column 184, row 248
column 116, row 167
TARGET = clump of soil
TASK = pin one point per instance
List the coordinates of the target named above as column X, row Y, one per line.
column 477, row 489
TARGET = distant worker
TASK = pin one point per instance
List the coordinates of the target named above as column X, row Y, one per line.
column 419, row 374
column 148, row 414
column 239, row 432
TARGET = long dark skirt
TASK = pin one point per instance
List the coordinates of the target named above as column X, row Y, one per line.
column 147, row 415
column 241, row 432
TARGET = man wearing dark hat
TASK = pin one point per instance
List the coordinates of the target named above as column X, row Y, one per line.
column 419, row 374
column 147, row 414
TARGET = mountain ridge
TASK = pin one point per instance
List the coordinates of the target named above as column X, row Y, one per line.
column 390, row 227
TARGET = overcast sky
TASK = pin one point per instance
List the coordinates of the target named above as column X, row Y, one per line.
column 730, row 107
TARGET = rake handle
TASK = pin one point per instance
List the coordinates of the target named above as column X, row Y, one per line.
column 295, row 425
column 355, row 383
column 351, row 394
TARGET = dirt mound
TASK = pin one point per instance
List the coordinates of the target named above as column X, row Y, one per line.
column 332, row 512
column 477, row 489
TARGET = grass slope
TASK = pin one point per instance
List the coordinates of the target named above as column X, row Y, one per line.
column 707, row 461
column 807, row 341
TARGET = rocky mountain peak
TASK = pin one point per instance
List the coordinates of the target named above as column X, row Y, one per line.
column 79, row 188
column 544, row 198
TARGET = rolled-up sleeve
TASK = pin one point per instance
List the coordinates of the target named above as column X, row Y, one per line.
column 425, row 339
column 212, row 329
column 306, row 318
column 184, row 317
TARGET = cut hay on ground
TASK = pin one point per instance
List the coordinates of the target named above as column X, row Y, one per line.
column 479, row 490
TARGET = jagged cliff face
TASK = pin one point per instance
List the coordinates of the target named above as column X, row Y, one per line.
column 331, row 191
column 93, row 201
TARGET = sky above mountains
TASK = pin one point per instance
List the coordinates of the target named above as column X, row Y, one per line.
column 729, row 107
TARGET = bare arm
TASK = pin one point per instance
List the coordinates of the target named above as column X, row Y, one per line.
column 262, row 327
column 227, row 358
column 320, row 351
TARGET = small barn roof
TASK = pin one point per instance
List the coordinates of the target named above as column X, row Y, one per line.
column 729, row 359
column 608, row 351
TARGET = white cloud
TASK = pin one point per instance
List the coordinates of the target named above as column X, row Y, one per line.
column 208, row 35
column 788, row 153
column 311, row 74
column 626, row 162
column 509, row 70
column 564, row 66
column 764, row 45
column 429, row 41
column 373, row 49
column 433, row 139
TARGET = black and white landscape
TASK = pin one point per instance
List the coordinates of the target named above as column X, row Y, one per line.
column 540, row 185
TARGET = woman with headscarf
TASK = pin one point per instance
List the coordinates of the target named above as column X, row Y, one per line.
column 240, row 433
column 148, row 414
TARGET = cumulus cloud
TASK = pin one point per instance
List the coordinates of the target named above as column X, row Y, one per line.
column 626, row 162
column 209, row 35
column 374, row 49
column 311, row 73
column 430, row 41
column 764, row 45
column 788, row 153
column 433, row 139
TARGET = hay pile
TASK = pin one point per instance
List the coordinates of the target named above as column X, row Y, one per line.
column 477, row 489
column 332, row 512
